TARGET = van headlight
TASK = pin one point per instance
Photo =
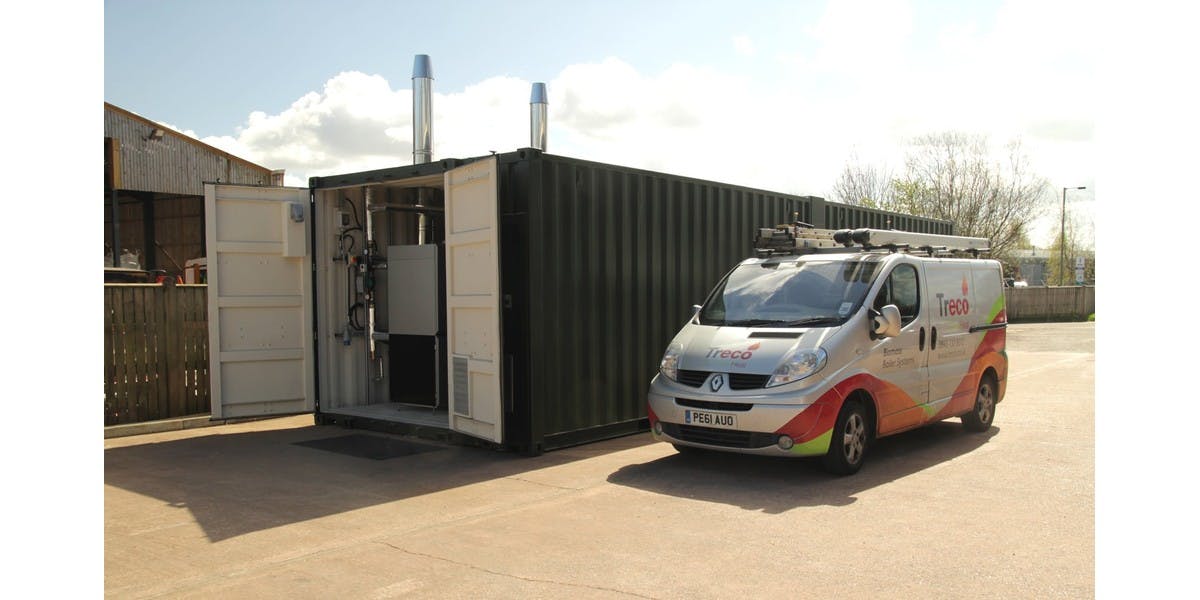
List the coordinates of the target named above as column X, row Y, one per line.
column 798, row 365
column 669, row 366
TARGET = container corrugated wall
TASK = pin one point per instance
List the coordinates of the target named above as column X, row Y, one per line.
column 172, row 164
column 601, row 265
column 834, row 215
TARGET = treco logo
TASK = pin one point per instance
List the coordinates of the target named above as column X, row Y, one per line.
column 733, row 353
column 953, row 307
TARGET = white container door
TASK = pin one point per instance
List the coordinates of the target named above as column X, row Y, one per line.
column 473, row 299
column 259, row 300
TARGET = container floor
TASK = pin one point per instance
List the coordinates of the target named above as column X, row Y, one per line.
column 397, row 413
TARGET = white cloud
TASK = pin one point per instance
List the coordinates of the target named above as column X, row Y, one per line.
column 744, row 46
column 865, row 86
column 357, row 123
column 863, row 39
column 687, row 120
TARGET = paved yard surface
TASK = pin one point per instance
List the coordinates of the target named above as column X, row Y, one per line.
column 261, row 510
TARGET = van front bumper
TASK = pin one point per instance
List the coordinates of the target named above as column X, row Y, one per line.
column 758, row 428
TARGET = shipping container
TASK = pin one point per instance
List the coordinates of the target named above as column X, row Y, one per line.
column 528, row 308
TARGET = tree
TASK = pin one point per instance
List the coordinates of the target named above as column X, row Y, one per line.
column 1077, row 238
column 863, row 185
column 951, row 176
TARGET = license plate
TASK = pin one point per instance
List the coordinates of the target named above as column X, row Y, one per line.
column 709, row 419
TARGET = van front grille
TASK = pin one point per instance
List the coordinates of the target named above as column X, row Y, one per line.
column 737, row 381
column 692, row 378
column 706, row 405
column 727, row 438
column 747, row 381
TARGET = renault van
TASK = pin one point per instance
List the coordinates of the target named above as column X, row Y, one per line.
column 823, row 343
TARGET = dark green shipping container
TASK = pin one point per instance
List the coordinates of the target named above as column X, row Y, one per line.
column 600, row 265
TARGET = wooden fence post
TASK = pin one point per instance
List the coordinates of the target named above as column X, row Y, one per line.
column 174, row 339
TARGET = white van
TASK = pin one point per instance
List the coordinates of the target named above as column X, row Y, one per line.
column 828, row 340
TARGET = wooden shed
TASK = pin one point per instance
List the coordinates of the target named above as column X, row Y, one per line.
column 154, row 179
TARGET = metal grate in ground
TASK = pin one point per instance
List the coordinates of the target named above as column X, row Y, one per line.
column 373, row 447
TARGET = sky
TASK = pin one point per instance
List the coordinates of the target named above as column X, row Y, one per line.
column 766, row 94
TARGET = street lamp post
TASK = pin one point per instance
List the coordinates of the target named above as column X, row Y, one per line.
column 1062, row 245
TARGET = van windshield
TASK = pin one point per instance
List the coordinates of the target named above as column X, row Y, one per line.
column 791, row 294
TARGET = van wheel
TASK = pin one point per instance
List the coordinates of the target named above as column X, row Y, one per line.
column 848, row 444
column 980, row 417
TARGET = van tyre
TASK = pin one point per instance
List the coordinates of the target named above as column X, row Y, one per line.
column 848, row 444
column 981, row 415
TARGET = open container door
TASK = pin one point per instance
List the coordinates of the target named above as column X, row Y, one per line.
column 259, row 300
column 473, row 299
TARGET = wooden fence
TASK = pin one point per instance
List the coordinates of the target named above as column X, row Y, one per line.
column 1060, row 303
column 155, row 352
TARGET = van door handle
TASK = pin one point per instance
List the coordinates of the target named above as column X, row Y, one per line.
column 933, row 338
column 921, row 340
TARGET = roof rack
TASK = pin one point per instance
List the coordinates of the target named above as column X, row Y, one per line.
column 802, row 238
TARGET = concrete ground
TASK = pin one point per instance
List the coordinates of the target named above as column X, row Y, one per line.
column 244, row 511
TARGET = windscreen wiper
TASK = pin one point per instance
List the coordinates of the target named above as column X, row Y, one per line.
column 751, row 322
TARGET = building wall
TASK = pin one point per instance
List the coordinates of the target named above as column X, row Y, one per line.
column 178, row 229
column 160, row 187
column 1033, row 270
column 172, row 163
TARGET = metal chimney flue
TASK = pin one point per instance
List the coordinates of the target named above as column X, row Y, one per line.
column 422, row 82
column 538, row 116
column 422, row 105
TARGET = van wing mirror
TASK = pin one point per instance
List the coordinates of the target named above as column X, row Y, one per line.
column 887, row 323
column 695, row 308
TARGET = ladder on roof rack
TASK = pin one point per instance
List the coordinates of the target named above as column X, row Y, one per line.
column 802, row 238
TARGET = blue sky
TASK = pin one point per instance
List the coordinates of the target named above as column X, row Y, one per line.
column 776, row 95
column 226, row 59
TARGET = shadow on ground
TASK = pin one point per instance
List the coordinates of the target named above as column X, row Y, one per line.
column 776, row 485
column 237, row 483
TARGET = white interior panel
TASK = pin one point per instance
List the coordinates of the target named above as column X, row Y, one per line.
column 472, row 278
column 485, row 412
column 473, row 333
column 257, row 273
column 271, row 386
column 476, row 200
column 249, row 220
column 253, row 328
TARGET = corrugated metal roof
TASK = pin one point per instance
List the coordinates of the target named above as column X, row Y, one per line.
column 173, row 163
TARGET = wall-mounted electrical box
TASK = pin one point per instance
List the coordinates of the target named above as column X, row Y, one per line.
column 412, row 272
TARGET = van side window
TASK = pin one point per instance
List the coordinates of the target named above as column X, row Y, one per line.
column 901, row 289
